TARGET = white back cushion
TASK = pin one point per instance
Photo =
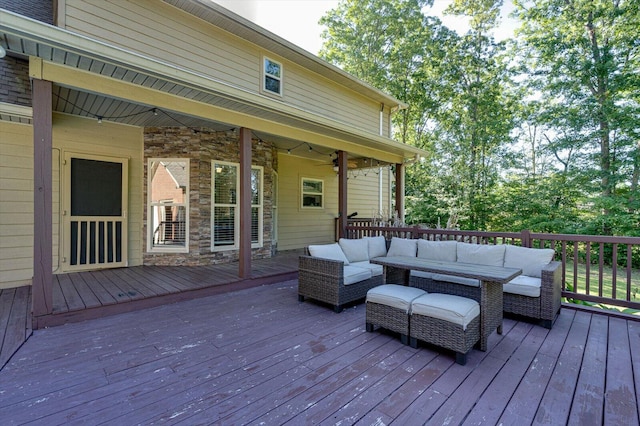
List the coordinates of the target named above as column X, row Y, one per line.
column 328, row 251
column 377, row 246
column 437, row 250
column 481, row 254
column 356, row 250
column 530, row 260
column 403, row 247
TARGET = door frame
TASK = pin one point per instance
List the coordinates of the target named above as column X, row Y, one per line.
column 66, row 219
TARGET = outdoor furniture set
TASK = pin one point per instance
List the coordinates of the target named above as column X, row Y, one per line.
column 518, row 280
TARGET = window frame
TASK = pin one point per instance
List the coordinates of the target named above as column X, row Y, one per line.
column 151, row 205
column 303, row 193
column 266, row 75
column 236, row 223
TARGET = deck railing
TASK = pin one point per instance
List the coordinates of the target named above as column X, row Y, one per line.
column 596, row 270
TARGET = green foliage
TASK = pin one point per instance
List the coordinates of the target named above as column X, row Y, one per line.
column 541, row 132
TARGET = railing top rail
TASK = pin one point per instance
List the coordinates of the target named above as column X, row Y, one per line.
column 532, row 235
column 587, row 238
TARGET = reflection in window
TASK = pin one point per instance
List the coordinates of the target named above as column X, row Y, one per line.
column 312, row 193
column 272, row 76
column 225, row 220
column 168, row 204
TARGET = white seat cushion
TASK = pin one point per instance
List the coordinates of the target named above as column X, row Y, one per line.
column 377, row 246
column 328, row 251
column 356, row 250
column 394, row 295
column 530, row 260
column 375, row 269
column 471, row 282
column 437, row 250
column 422, row 274
column 481, row 254
column 454, row 309
column 524, row 286
column 353, row 274
column 403, row 247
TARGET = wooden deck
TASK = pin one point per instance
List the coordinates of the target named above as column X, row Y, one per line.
column 88, row 295
column 258, row 356
column 15, row 320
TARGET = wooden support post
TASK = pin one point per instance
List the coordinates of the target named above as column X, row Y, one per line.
column 342, row 194
column 245, row 203
column 42, row 285
column 400, row 191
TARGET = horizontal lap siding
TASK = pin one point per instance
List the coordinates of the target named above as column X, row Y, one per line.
column 364, row 192
column 321, row 96
column 158, row 30
column 298, row 227
column 16, row 204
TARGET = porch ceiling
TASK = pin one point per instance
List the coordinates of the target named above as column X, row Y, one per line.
column 285, row 125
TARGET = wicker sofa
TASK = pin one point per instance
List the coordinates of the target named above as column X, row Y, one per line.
column 535, row 294
column 340, row 273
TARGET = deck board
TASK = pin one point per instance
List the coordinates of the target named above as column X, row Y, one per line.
column 618, row 407
column 15, row 320
column 258, row 356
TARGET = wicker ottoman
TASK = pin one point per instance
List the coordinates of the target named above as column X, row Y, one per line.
column 451, row 322
column 388, row 307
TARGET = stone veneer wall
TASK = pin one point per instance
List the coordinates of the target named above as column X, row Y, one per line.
column 41, row 10
column 15, row 86
column 201, row 147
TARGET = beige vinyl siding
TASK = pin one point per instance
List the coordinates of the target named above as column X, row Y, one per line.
column 299, row 227
column 158, row 30
column 368, row 194
column 16, row 204
column 86, row 136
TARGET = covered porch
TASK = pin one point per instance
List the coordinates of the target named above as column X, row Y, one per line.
column 257, row 356
column 88, row 295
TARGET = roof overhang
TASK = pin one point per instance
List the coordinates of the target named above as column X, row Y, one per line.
column 120, row 77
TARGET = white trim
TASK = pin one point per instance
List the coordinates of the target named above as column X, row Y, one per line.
column 236, row 207
column 151, row 205
column 266, row 75
column 16, row 110
column 302, row 194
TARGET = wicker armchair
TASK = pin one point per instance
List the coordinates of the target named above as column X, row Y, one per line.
column 544, row 308
column 323, row 280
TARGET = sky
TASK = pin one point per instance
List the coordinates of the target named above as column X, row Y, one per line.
column 297, row 20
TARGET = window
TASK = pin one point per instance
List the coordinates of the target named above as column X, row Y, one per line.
column 168, row 215
column 225, row 206
column 272, row 82
column 312, row 193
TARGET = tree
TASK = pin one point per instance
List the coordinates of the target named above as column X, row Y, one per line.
column 454, row 87
column 476, row 127
column 583, row 59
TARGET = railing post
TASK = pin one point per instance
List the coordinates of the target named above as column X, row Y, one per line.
column 526, row 238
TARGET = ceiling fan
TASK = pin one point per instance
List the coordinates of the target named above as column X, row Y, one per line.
column 351, row 164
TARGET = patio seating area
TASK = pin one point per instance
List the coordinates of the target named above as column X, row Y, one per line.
column 258, row 356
